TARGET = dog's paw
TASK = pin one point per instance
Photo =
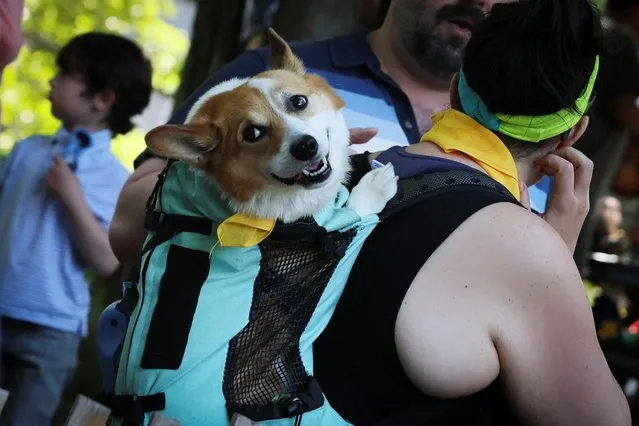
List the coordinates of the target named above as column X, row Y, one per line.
column 373, row 191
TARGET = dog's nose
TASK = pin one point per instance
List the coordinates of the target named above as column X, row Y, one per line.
column 305, row 148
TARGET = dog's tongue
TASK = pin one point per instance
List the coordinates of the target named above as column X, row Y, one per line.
column 315, row 166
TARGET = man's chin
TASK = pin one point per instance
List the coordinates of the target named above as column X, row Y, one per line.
column 440, row 55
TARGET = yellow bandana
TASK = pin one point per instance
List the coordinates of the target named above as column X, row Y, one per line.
column 244, row 231
column 454, row 131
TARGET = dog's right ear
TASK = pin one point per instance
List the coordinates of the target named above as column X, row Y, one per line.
column 188, row 143
column 282, row 56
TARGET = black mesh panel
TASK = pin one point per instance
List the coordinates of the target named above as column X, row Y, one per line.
column 263, row 363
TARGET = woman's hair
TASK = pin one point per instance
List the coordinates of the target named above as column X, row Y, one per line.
column 533, row 57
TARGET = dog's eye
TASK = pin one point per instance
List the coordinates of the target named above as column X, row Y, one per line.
column 253, row 133
column 298, row 102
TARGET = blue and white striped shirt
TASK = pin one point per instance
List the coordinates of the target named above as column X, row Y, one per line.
column 42, row 276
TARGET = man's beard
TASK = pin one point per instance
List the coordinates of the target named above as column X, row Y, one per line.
column 438, row 54
column 440, row 57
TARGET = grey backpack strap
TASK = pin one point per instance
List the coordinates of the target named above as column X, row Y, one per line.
column 415, row 189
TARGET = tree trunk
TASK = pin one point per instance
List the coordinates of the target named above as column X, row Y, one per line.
column 216, row 31
column 317, row 20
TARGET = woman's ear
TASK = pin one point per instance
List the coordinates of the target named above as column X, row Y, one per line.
column 454, row 95
column 576, row 132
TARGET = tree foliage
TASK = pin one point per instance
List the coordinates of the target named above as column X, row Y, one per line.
column 49, row 24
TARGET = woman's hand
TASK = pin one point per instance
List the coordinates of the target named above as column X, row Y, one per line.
column 570, row 197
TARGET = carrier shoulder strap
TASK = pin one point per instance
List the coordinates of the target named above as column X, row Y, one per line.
column 165, row 225
column 418, row 188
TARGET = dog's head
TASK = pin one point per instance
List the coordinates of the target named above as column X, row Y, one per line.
column 267, row 139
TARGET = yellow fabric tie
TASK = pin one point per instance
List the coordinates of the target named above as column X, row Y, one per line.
column 454, row 131
column 244, row 231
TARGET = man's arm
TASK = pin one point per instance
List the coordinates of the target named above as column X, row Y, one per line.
column 127, row 232
column 90, row 236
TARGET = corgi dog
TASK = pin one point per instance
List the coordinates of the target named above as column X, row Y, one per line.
column 227, row 332
column 275, row 144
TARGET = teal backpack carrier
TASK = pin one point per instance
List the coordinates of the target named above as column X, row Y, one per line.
column 213, row 334
column 219, row 331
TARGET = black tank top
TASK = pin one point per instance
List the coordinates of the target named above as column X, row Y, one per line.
column 356, row 362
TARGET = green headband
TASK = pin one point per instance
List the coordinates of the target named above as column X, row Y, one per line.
column 524, row 127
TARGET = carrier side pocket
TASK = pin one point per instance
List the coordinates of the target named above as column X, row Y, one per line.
column 185, row 274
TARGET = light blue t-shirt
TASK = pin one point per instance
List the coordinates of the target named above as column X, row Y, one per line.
column 42, row 276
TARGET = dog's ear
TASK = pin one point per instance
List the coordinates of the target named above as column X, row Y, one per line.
column 282, row 56
column 189, row 143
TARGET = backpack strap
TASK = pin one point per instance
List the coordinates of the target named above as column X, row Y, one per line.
column 418, row 188
column 166, row 225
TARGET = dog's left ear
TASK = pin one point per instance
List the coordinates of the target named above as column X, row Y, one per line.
column 282, row 56
column 188, row 143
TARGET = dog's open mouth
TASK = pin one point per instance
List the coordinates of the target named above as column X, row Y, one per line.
column 314, row 173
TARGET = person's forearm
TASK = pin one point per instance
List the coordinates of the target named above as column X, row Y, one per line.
column 90, row 237
column 127, row 232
